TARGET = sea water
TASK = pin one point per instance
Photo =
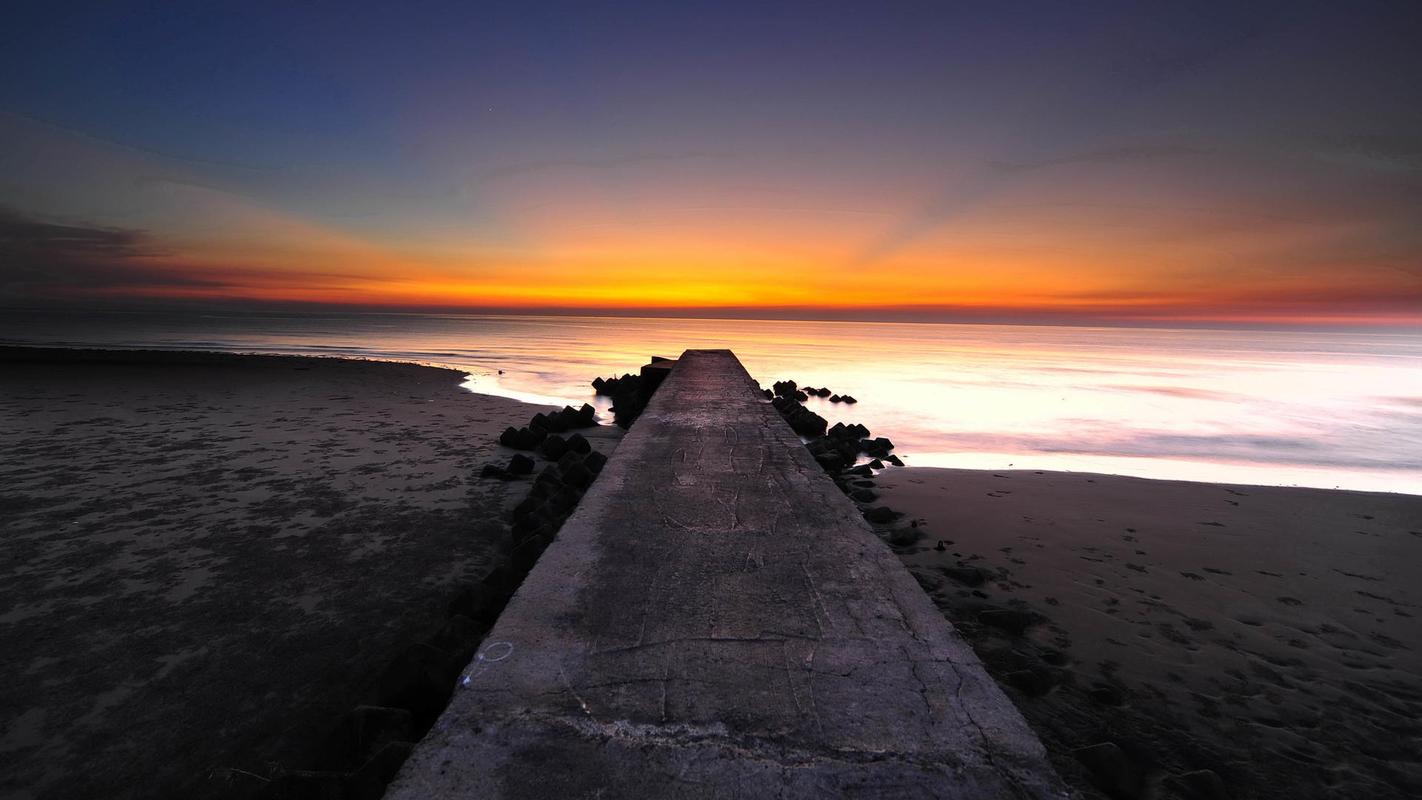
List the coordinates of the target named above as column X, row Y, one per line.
column 1324, row 408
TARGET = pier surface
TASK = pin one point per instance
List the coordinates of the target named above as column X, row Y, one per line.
column 717, row 620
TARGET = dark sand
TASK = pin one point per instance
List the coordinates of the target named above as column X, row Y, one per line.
column 1273, row 636
column 208, row 559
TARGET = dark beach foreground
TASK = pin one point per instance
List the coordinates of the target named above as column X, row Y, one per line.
column 208, row 559
column 1172, row 639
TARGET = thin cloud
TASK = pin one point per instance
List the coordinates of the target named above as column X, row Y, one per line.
column 44, row 258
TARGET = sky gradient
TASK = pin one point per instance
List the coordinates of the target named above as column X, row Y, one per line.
column 1189, row 162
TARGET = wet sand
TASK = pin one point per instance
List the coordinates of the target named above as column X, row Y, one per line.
column 1270, row 636
column 207, row 559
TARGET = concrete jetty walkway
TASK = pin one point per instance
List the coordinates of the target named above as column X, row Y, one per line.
column 716, row 620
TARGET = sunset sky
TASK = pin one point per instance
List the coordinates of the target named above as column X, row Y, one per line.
column 1195, row 161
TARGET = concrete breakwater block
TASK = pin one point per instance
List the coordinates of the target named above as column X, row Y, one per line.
column 716, row 619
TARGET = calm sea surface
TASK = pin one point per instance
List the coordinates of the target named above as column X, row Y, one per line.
column 1317, row 408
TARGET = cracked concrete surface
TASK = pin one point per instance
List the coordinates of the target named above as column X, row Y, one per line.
column 717, row 620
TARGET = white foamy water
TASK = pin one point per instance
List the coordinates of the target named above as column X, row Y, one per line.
column 1311, row 408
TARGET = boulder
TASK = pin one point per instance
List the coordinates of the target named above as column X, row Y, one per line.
column 510, row 437
column 493, row 471
column 822, row 392
column 520, row 464
column 893, row 459
column 549, row 477
column 553, row 447
column 834, row 398
column 578, row 444
column 847, row 399
column 864, row 495
column 577, row 474
column 594, row 461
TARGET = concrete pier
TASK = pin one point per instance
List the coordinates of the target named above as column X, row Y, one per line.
column 717, row 620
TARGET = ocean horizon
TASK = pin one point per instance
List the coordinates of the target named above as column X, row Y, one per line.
column 1327, row 408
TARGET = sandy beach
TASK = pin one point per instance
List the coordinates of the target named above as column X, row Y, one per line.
column 207, row 559
column 1187, row 639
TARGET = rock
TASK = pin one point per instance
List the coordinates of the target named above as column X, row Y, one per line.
column 566, row 498
column 577, row 474
column 881, row 514
column 769, row 395
column 862, row 469
column 848, row 399
column 522, row 438
column 1111, row 769
column 493, row 471
column 526, row 554
column 549, row 477
column 578, row 444
column 893, row 459
column 543, row 516
column 1011, row 620
column 878, row 448
column 594, row 461
column 803, row 421
column 509, row 438
column 864, row 495
column 822, row 392
column 520, row 464
column 801, row 397
column 876, row 464
column 834, row 398
column 553, row 447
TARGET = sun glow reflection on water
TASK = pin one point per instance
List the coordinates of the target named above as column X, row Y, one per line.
column 1331, row 409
